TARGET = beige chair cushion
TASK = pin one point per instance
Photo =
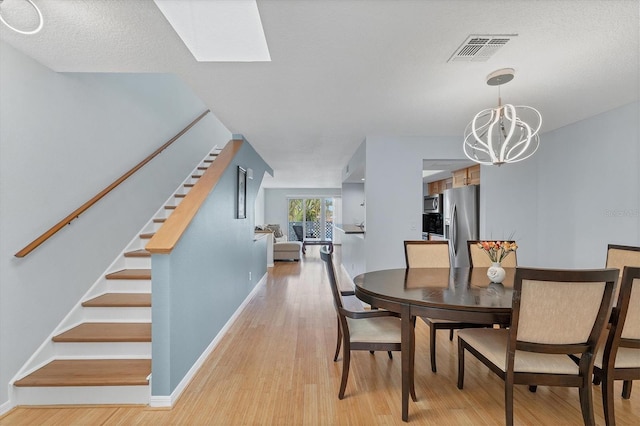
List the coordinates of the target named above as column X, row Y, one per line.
column 380, row 329
column 625, row 358
column 492, row 343
column 617, row 258
column 632, row 323
column 546, row 317
column 428, row 256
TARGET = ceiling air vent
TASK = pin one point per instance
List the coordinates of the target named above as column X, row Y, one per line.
column 479, row 48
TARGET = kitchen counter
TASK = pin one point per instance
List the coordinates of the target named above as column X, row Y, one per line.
column 349, row 228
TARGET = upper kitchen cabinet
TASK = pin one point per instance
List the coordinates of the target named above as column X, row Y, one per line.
column 466, row 176
column 438, row 186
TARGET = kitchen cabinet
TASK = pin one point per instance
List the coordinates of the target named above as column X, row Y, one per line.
column 439, row 186
column 467, row 176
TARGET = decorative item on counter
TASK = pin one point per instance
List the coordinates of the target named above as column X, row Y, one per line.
column 497, row 251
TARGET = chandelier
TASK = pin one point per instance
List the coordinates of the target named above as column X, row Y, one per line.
column 504, row 134
column 26, row 32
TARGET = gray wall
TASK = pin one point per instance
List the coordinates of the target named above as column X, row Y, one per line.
column 578, row 193
column 198, row 287
column 393, row 192
column 63, row 138
column 352, row 198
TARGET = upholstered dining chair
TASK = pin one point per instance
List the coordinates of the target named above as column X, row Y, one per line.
column 478, row 258
column 556, row 313
column 619, row 256
column 374, row 330
column 433, row 254
column 619, row 358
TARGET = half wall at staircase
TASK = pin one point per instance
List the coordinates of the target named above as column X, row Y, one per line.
column 202, row 282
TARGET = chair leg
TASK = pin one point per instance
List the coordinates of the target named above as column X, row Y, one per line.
column 586, row 404
column 335, row 357
column 432, row 349
column 390, row 354
column 412, row 389
column 460, row 364
column 346, row 359
column 451, row 334
column 626, row 389
column 607, row 402
column 533, row 388
column 508, row 403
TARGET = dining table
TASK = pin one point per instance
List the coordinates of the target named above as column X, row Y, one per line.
column 459, row 294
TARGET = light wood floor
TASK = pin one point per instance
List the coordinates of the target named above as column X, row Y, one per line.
column 275, row 367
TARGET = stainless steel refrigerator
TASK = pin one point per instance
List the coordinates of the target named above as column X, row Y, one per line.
column 461, row 221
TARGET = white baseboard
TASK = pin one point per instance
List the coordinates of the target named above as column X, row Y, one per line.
column 6, row 407
column 170, row 400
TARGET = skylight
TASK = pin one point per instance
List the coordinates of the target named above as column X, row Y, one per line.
column 220, row 30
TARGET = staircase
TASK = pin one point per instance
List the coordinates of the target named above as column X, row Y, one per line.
column 101, row 352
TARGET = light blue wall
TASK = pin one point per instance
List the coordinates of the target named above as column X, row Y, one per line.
column 63, row 138
column 198, row 287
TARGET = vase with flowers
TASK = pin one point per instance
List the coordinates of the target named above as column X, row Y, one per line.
column 497, row 251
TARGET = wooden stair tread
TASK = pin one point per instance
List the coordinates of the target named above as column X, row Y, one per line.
column 196, row 176
column 130, row 274
column 189, row 185
column 202, row 168
column 107, row 332
column 208, row 161
column 159, row 220
column 147, row 235
column 138, row 253
column 90, row 372
column 170, row 207
column 180, row 195
column 125, row 300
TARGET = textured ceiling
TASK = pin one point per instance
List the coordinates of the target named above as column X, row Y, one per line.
column 343, row 70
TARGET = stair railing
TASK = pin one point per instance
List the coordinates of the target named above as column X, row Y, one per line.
column 166, row 238
column 77, row 212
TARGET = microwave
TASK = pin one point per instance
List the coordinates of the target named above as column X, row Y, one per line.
column 433, row 203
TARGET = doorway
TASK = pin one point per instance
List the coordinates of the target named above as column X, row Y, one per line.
column 310, row 218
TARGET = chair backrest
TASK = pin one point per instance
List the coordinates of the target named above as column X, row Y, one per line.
column 477, row 257
column 327, row 256
column 626, row 324
column 620, row 256
column 427, row 254
column 566, row 309
column 298, row 231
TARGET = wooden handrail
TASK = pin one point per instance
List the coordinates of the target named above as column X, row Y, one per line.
column 77, row 212
column 166, row 238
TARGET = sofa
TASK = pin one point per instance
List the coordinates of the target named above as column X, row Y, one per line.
column 283, row 249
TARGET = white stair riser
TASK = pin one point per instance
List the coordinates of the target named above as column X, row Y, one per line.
column 137, row 262
column 104, row 350
column 70, row 395
column 119, row 314
column 129, row 286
